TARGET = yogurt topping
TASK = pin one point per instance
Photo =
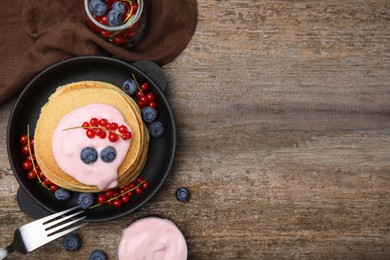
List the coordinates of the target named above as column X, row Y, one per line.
column 67, row 145
column 152, row 238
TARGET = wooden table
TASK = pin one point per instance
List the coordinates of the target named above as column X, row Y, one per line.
column 283, row 119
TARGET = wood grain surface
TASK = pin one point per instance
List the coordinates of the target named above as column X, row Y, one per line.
column 283, row 119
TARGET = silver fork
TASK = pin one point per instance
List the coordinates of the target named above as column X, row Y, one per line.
column 39, row 232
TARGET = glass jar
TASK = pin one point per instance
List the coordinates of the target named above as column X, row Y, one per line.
column 128, row 32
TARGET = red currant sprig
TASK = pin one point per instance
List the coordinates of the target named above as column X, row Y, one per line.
column 118, row 197
column 30, row 164
column 144, row 97
column 103, row 128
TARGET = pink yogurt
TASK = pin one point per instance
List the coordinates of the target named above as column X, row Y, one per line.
column 67, row 145
column 152, row 238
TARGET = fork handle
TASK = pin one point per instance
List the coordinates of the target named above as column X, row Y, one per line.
column 6, row 251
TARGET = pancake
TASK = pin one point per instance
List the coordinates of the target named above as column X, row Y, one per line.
column 73, row 96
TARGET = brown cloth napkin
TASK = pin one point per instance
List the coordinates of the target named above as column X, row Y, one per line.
column 37, row 34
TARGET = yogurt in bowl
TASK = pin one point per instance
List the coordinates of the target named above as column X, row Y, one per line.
column 152, row 238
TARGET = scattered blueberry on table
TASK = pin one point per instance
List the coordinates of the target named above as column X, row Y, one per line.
column 98, row 255
column 72, row 242
column 183, row 194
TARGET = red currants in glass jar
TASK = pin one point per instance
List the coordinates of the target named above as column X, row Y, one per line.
column 121, row 22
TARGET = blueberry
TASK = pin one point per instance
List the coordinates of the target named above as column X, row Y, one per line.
column 129, row 87
column 108, row 154
column 62, row 194
column 72, row 242
column 88, row 155
column 114, row 18
column 86, row 200
column 98, row 7
column 149, row 114
column 98, row 255
column 183, row 194
column 156, row 129
column 119, row 6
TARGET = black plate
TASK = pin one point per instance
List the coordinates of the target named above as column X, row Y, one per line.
column 27, row 109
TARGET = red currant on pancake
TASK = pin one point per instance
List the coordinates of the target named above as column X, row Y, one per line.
column 114, row 126
column 103, row 122
column 122, row 129
column 112, row 137
column 127, row 136
column 94, row 121
column 91, row 133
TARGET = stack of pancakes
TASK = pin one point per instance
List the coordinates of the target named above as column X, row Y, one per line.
column 78, row 94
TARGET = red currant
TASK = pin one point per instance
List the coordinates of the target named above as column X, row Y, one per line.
column 131, row 185
column 152, row 104
column 104, row 20
column 94, row 121
column 27, row 165
column 127, row 136
column 31, row 174
column 114, row 126
column 141, row 104
column 85, row 125
column 122, row 129
column 25, row 149
column 125, row 199
column 101, row 133
column 135, row 8
column 53, row 187
column 138, row 190
column 108, row 126
column 150, row 96
column 103, row 122
column 117, row 203
column 113, row 137
column 139, row 179
column 101, row 199
column 145, row 185
column 144, row 86
column 109, row 194
column 31, row 158
column 105, row 34
column 91, row 133
column 138, row 94
column 23, row 139
column 47, row 182
column 143, row 99
column 41, row 176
